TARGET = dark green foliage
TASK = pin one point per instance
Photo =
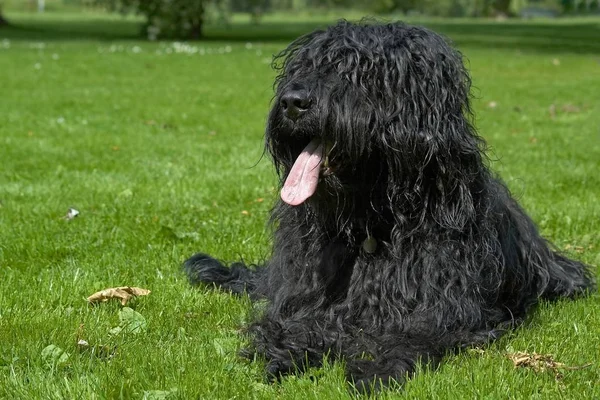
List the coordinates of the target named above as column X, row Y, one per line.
column 182, row 19
column 446, row 8
column 2, row 20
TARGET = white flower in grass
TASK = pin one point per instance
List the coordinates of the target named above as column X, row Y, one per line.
column 259, row 53
column 136, row 49
column 60, row 120
column 249, row 46
column 227, row 49
column 71, row 213
column 55, row 56
column 6, row 43
column 37, row 66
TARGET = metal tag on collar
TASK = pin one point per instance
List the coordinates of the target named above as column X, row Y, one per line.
column 369, row 245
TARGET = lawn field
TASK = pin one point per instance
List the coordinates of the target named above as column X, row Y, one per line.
column 158, row 145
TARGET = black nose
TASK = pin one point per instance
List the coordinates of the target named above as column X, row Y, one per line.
column 295, row 103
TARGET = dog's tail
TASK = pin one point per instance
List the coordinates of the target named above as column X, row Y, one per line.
column 568, row 278
column 237, row 278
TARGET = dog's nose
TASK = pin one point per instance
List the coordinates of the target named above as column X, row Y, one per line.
column 295, row 103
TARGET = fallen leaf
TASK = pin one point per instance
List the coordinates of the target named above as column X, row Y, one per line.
column 541, row 363
column 570, row 108
column 53, row 355
column 244, row 212
column 578, row 249
column 131, row 322
column 552, row 111
column 492, row 104
column 124, row 293
column 260, row 200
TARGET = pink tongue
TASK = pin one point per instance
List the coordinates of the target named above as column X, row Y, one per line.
column 303, row 178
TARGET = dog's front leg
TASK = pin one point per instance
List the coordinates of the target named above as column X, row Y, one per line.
column 394, row 365
column 290, row 346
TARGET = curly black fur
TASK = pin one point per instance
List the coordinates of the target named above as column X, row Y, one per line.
column 410, row 246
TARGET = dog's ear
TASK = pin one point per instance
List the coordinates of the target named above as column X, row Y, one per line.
column 439, row 155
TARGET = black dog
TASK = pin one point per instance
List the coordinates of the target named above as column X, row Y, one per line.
column 394, row 242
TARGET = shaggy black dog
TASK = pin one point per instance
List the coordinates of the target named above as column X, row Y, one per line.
column 393, row 243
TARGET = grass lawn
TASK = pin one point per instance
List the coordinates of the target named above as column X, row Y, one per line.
column 159, row 146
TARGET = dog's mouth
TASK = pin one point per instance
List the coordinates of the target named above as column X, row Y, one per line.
column 303, row 179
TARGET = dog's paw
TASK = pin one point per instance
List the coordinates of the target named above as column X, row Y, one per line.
column 275, row 370
column 367, row 377
column 373, row 384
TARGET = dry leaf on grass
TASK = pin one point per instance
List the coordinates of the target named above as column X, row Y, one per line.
column 570, row 108
column 541, row 363
column 578, row 249
column 124, row 293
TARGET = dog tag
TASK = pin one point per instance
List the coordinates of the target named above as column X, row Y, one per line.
column 370, row 245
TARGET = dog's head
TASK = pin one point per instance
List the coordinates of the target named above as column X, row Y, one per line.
column 373, row 113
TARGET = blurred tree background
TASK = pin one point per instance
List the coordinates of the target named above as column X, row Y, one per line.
column 184, row 19
column 2, row 19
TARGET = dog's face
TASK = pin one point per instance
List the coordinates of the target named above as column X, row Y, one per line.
column 362, row 110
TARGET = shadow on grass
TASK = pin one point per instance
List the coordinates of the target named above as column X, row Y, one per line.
column 539, row 36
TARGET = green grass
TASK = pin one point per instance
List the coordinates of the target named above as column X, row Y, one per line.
column 161, row 152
